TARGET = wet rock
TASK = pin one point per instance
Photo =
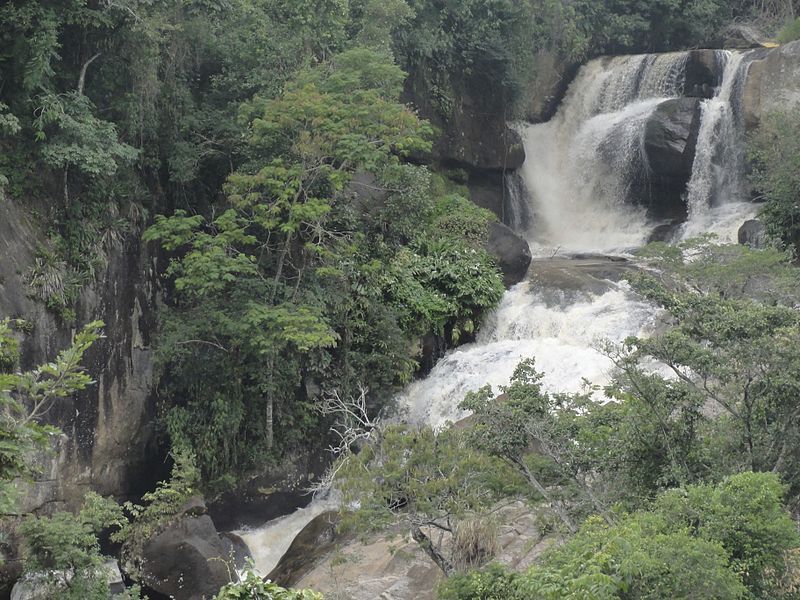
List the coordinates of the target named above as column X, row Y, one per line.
column 753, row 233
column 670, row 138
column 512, row 253
column 772, row 84
column 703, row 74
column 670, row 142
column 187, row 560
column 109, row 442
column 312, row 543
column 486, row 190
column 549, row 87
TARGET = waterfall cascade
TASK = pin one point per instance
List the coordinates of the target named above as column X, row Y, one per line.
column 578, row 193
column 587, row 165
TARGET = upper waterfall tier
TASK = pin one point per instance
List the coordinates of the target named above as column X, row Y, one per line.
column 638, row 142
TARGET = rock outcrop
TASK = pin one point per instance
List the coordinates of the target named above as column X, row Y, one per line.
column 512, row 253
column 753, row 233
column 108, row 443
column 772, row 84
column 392, row 566
column 188, row 559
column 670, row 141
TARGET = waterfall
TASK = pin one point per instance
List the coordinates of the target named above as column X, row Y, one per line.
column 561, row 330
column 585, row 165
column 717, row 199
column 579, row 191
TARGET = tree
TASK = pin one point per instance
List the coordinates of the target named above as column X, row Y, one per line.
column 26, row 397
column 775, row 153
column 526, row 425
column 430, row 483
column 62, row 552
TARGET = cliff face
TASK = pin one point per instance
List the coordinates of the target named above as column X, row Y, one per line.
column 108, row 442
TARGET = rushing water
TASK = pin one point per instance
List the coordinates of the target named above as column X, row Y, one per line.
column 576, row 194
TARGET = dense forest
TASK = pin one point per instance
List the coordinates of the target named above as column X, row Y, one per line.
column 288, row 166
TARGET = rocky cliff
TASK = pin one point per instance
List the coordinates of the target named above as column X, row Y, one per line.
column 108, row 442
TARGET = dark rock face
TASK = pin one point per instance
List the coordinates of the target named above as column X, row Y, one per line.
column 512, row 253
column 188, row 560
column 703, row 74
column 313, row 542
column 753, row 233
column 109, row 441
column 670, row 138
column 670, row 143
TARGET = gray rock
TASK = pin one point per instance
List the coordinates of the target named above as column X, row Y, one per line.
column 187, row 560
column 671, row 137
column 772, row 84
column 753, row 233
column 703, row 73
column 512, row 253
column 742, row 36
column 34, row 586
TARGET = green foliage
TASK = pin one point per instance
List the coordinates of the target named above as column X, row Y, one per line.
column 790, row 32
column 73, row 136
column 775, row 153
column 492, row 583
column 252, row 587
column 25, row 397
column 62, row 552
column 726, row 350
column 426, row 481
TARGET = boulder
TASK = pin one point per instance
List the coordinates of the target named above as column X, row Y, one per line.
column 703, row 74
column 312, row 543
column 772, row 84
column 753, row 233
column 35, row 586
column 512, row 253
column 670, row 138
column 187, row 559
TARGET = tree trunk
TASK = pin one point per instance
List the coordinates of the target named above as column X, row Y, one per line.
column 427, row 546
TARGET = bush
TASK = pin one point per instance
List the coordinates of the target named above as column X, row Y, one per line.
column 790, row 32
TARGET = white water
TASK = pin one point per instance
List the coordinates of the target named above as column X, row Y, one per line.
column 585, row 161
column 575, row 195
column 716, row 196
column 270, row 542
column 561, row 336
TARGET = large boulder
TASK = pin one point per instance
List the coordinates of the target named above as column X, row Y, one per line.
column 742, row 36
column 670, row 141
column 187, row 559
column 753, row 233
column 772, row 84
column 703, row 73
column 671, row 137
column 39, row 587
column 512, row 253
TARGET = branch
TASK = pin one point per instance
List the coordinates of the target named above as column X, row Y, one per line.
column 82, row 78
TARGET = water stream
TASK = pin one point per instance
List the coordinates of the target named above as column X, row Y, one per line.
column 576, row 194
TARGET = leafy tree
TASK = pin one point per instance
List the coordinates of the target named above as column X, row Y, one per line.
column 25, row 398
column 252, row 587
column 62, row 552
column 538, row 435
column 775, row 152
column 430, row 483
column 732, row 353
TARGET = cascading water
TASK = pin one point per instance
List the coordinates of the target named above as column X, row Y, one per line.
column 584, row 163
column 716, row 196
column 576, row 195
